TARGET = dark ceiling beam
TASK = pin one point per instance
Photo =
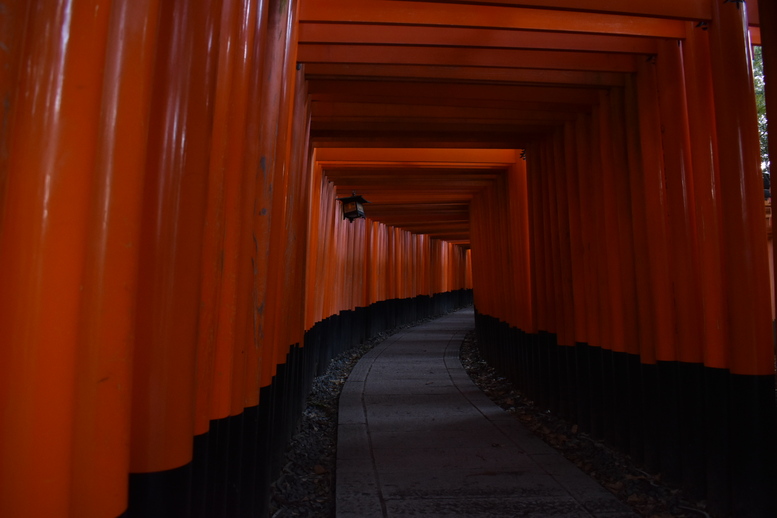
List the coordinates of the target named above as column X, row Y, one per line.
column 434, row 90
column 470, row 75
column 694, row 10
column 464, row 37
column 469, row 57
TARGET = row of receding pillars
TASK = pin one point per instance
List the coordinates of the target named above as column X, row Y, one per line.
column 374, row 261
column 633, row 295
column 165, row 243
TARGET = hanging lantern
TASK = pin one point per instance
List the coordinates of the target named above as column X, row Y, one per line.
column 353, row 207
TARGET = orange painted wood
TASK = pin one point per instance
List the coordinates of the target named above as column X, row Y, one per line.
column 214, row 358
column 569, row 316
column 623, row 204
column 390, row 12
column 743, row 227
column 103, row 387
column 54, row 140
column 272, row 81
column 213, row 235
column 610, row 245
column 692, row 10
column 402, row 100
column 276, row 330
column 706, row 193
column 535, row 239
column 379, row 112
column 599, row 213
column 462, row 37
column 588, row 227
column 250, row 49
column 272, row 84
column 432, row 72
column 231, row 337
column 254, row 211
column 163, row 402
column 555, row 290
column 576, row 247
column 545, row 239
column 449, row 56
column 656, row 215
column 639, row 224
column 680, row 202
column 415, row 157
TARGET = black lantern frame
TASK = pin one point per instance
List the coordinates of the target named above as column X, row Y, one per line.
column 353, row 207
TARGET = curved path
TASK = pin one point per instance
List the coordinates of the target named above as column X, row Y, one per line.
column 417, row 437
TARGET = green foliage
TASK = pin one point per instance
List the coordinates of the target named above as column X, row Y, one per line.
column 760, row 99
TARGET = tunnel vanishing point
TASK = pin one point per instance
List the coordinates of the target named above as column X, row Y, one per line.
column 175, row 269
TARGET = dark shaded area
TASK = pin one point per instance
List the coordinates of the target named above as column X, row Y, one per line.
column 235, row 463
column 704, row 431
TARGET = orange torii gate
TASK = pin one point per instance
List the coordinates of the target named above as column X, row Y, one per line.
column 174, row 269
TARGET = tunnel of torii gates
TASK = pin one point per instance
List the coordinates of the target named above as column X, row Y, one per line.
column 175, row 269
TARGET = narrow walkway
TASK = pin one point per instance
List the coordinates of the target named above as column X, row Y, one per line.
column 417, row 437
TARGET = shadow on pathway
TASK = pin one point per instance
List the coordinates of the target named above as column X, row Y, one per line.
column 417, row 437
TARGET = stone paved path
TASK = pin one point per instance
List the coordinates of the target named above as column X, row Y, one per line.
column 417, row 437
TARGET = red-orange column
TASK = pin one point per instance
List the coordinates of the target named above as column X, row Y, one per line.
column 706, row 184
column 103, row 386
column 53, row 142
column 627, row 399
column 742, row 198
column 767, row 13
column 210, row 351
column 567, row 327
column 469, row 283
column 312, row 278
column 661, row 314
column 621, row 186
column 268, row 111
column 331, row 257
column 534, row 179
column 213, row 240
column 556, row 291
column 713, row 330
column 280, row 319
column 600, row 210
column 644, row 335
column 546, row 239
column 679, row 189
column 502, row 288
column 274, row 108
column 238, row 243
column 171, row 243
column 576, row 248
column 745, row 260
column 512, row 270
column 475, row 243
column 519, row 218
column 371, row 259
column 656, row 213
column 588, row 228
column 645, row 340
column 249, row 303
column 299, row 164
